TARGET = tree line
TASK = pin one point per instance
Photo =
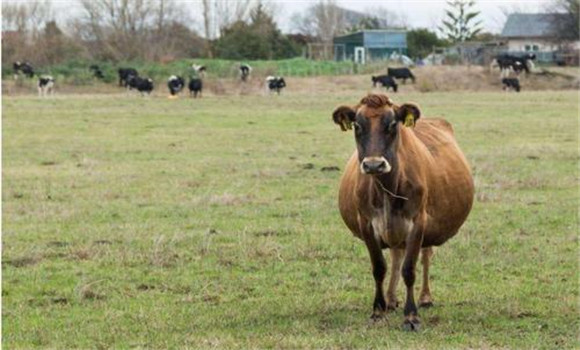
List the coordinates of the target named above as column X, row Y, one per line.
column 161, row 31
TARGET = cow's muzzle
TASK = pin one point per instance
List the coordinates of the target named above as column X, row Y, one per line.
column 375, row 165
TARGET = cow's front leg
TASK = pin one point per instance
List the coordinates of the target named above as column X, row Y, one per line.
column 379, row 272
column 412, row 250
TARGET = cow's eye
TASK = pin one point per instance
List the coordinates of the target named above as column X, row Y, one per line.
column 357, row 128
column 391, row 127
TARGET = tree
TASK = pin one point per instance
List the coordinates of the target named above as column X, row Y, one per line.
column 136, row 29
column 22, row 24
column 53, row 46
column 367, row 22
column 258, row 38
column 387, row 18
column 324, row 20
column 420, row 42
column 218, row 15
column 564, row 16
column 460, row 23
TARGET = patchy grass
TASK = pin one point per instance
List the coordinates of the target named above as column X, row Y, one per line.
column 156, row 223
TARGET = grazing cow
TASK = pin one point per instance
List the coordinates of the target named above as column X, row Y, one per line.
column 97, row 72
column 511, row 83
column 125, row 75
column 275, row 84
column 143, row 85
column 386, row 81
column 245, row 71
column 199, row 69
column 45, row 85
column 24, row 68
column 175, row 84
column 406, row 187
column 195, row 87
column 507, row 62
column 401, row 73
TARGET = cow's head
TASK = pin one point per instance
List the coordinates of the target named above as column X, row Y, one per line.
column 374, row 80
column 377, row 123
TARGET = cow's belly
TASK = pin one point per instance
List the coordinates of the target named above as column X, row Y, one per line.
column 444, row 219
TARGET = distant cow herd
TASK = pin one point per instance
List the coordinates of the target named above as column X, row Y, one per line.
column 510, row 67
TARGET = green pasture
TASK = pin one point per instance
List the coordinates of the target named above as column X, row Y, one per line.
column 152, row 223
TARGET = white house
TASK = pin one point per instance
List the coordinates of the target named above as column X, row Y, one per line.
column 532, row 33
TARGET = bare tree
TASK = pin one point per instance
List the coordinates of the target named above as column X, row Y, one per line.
column 564, row 18
column 505, row 12
column 130, row 29
column 23, row 24
column 325, row 20
column 387, row 18
column 220, row 14
column 26, row 18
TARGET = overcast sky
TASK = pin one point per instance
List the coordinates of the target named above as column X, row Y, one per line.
column 425, row 13
column 418, row 13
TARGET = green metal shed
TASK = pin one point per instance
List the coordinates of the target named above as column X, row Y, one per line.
column 369, row 45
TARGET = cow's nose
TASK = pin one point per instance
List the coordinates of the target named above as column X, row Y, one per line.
column 375, row 166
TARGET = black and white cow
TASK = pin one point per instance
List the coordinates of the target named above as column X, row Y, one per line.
column 175, row 84
column 199, row 70
column 125, row 75
column 508, row 63
column 386, row 81
column 511, row 84
column 97, row 72
column 143, row 85
column 245, row 71
column 22, row 68
column 195, row 87
column 45, row 85
column 401, row 73
column 275, row 84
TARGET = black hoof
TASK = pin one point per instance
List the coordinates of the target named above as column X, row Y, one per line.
column 426, row 304
column 411, row 325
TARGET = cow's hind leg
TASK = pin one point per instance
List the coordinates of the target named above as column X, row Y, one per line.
column 425, row 299
column 379, row 272
column 396, row 260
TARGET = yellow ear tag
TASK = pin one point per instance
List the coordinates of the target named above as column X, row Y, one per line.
column 410, row 120
column 346, row 125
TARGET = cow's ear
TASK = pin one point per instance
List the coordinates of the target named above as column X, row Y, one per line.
column 408, row 114
column 344, row 116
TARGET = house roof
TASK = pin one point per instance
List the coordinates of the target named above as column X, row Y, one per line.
column 372, row 31
column 525, row 25
column 375, row 38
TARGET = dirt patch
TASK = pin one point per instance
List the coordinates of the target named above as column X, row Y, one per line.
column 23, row 261
column 145, row 287
column 57, row 244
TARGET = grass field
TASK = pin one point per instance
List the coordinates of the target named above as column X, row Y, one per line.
column 156, row 223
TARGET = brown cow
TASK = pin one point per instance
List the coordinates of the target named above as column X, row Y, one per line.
column 407, row 187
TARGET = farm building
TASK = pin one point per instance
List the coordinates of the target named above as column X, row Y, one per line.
column 369, row 45
column 532, row 33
